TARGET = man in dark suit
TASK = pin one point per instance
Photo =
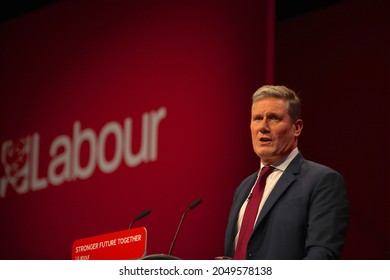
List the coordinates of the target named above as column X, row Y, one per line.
column 302, row 208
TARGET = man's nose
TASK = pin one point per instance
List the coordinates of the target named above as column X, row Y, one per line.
column 263, row 126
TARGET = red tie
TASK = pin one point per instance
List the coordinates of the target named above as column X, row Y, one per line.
column 250, row 214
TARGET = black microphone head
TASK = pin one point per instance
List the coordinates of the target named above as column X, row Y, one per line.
column 194, row 204
column 143, row 214
column 140, row 216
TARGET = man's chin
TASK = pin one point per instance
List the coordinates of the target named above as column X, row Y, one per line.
column 266, row 157
column 265, row 153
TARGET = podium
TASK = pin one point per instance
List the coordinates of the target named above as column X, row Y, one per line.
column 127, row 244
column 160, row 257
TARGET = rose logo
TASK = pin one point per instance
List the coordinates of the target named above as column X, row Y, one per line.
column 15, row 161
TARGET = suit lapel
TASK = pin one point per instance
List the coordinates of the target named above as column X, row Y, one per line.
column 285, row 181
column 243, row 195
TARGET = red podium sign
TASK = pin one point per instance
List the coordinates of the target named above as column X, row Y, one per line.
column 120, row 245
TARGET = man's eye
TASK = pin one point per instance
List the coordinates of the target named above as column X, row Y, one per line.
column 274, row 118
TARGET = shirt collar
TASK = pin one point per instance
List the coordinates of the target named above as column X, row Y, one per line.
column 284, row 162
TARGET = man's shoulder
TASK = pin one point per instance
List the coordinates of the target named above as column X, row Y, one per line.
column 315, row 168
column 317, row 165
column 302, row 164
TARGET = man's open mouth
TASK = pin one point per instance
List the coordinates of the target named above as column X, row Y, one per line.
column 264, row 139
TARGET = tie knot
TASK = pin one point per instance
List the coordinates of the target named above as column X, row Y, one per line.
column 265, row 171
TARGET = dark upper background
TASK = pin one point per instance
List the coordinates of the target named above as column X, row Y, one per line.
column 335, row 54
column 284, row 8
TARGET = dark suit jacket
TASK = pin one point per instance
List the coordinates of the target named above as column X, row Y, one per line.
column 304, row 217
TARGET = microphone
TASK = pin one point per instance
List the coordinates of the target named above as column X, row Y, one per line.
column 192, row 206
column 140, row 216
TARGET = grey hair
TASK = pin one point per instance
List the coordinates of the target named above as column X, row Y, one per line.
column 280, row 92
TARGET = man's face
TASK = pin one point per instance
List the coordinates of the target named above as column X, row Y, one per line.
column 273, row 133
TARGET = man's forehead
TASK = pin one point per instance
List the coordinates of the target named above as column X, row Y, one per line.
column 269, row 105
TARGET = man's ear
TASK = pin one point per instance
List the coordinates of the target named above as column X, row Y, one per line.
column 298, row 127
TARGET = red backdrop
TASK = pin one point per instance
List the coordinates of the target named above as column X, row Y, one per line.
column 338, row 59
column 112, row 109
